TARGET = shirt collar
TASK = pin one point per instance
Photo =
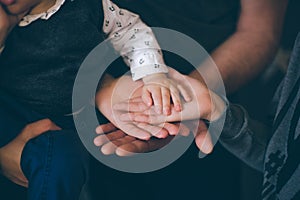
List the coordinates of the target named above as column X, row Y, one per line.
column 28, row 19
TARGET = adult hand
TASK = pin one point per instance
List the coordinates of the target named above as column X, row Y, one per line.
column 205, row 104
column 7, row 23
column 10, row 154
column 120, row 90
column 114, row 141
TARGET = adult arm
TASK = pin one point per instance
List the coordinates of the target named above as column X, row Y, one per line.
column 253, row 45
column 244, row 137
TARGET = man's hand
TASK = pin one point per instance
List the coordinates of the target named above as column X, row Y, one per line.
column 7, row 23
column 114, row 141
column 10, row 154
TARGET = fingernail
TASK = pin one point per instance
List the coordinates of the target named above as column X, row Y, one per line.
column 178, row 108
column 167, row 111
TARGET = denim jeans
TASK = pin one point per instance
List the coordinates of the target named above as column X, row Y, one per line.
column 55, row 163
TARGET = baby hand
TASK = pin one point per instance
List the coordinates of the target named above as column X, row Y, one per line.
column 158, row 90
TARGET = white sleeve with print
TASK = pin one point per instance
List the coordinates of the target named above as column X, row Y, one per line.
column 134, row 40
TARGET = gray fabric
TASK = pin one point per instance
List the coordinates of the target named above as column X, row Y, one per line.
column 271, row 149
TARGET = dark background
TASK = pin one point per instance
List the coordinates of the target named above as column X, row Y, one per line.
column 218, row 176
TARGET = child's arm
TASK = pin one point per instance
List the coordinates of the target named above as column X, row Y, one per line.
column 137, row 44
column 134, row 40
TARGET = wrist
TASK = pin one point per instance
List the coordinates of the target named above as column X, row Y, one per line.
column 152, row 77
column 105, row 90
column 217, row 108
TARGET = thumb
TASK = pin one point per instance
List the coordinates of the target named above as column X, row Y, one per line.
column 203, row 139
column 37, row 128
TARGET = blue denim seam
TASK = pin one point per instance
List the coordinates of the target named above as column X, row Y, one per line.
column 47, row 166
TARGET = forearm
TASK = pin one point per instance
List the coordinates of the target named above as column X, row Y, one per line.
column 241, row 58
column 251, row 48
column 104, row 95
column 247, row 139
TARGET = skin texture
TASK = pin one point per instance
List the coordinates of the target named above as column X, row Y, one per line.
column 120, row 90
column 126, row 144
column 159, row 90
column 240, row 58
column 252, row 47
column 260, row 22
column 205, row 104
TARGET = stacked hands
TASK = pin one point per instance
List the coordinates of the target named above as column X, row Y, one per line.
column 146, row 115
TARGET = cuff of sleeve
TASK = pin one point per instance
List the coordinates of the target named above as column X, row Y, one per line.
column 141, row 72
column 234, row 122
column 216, row 127
column 145, row 62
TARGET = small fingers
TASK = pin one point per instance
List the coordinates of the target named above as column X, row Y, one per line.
column 176, row 99
column 165, row 93
column 146, row 96
column 157, row 99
